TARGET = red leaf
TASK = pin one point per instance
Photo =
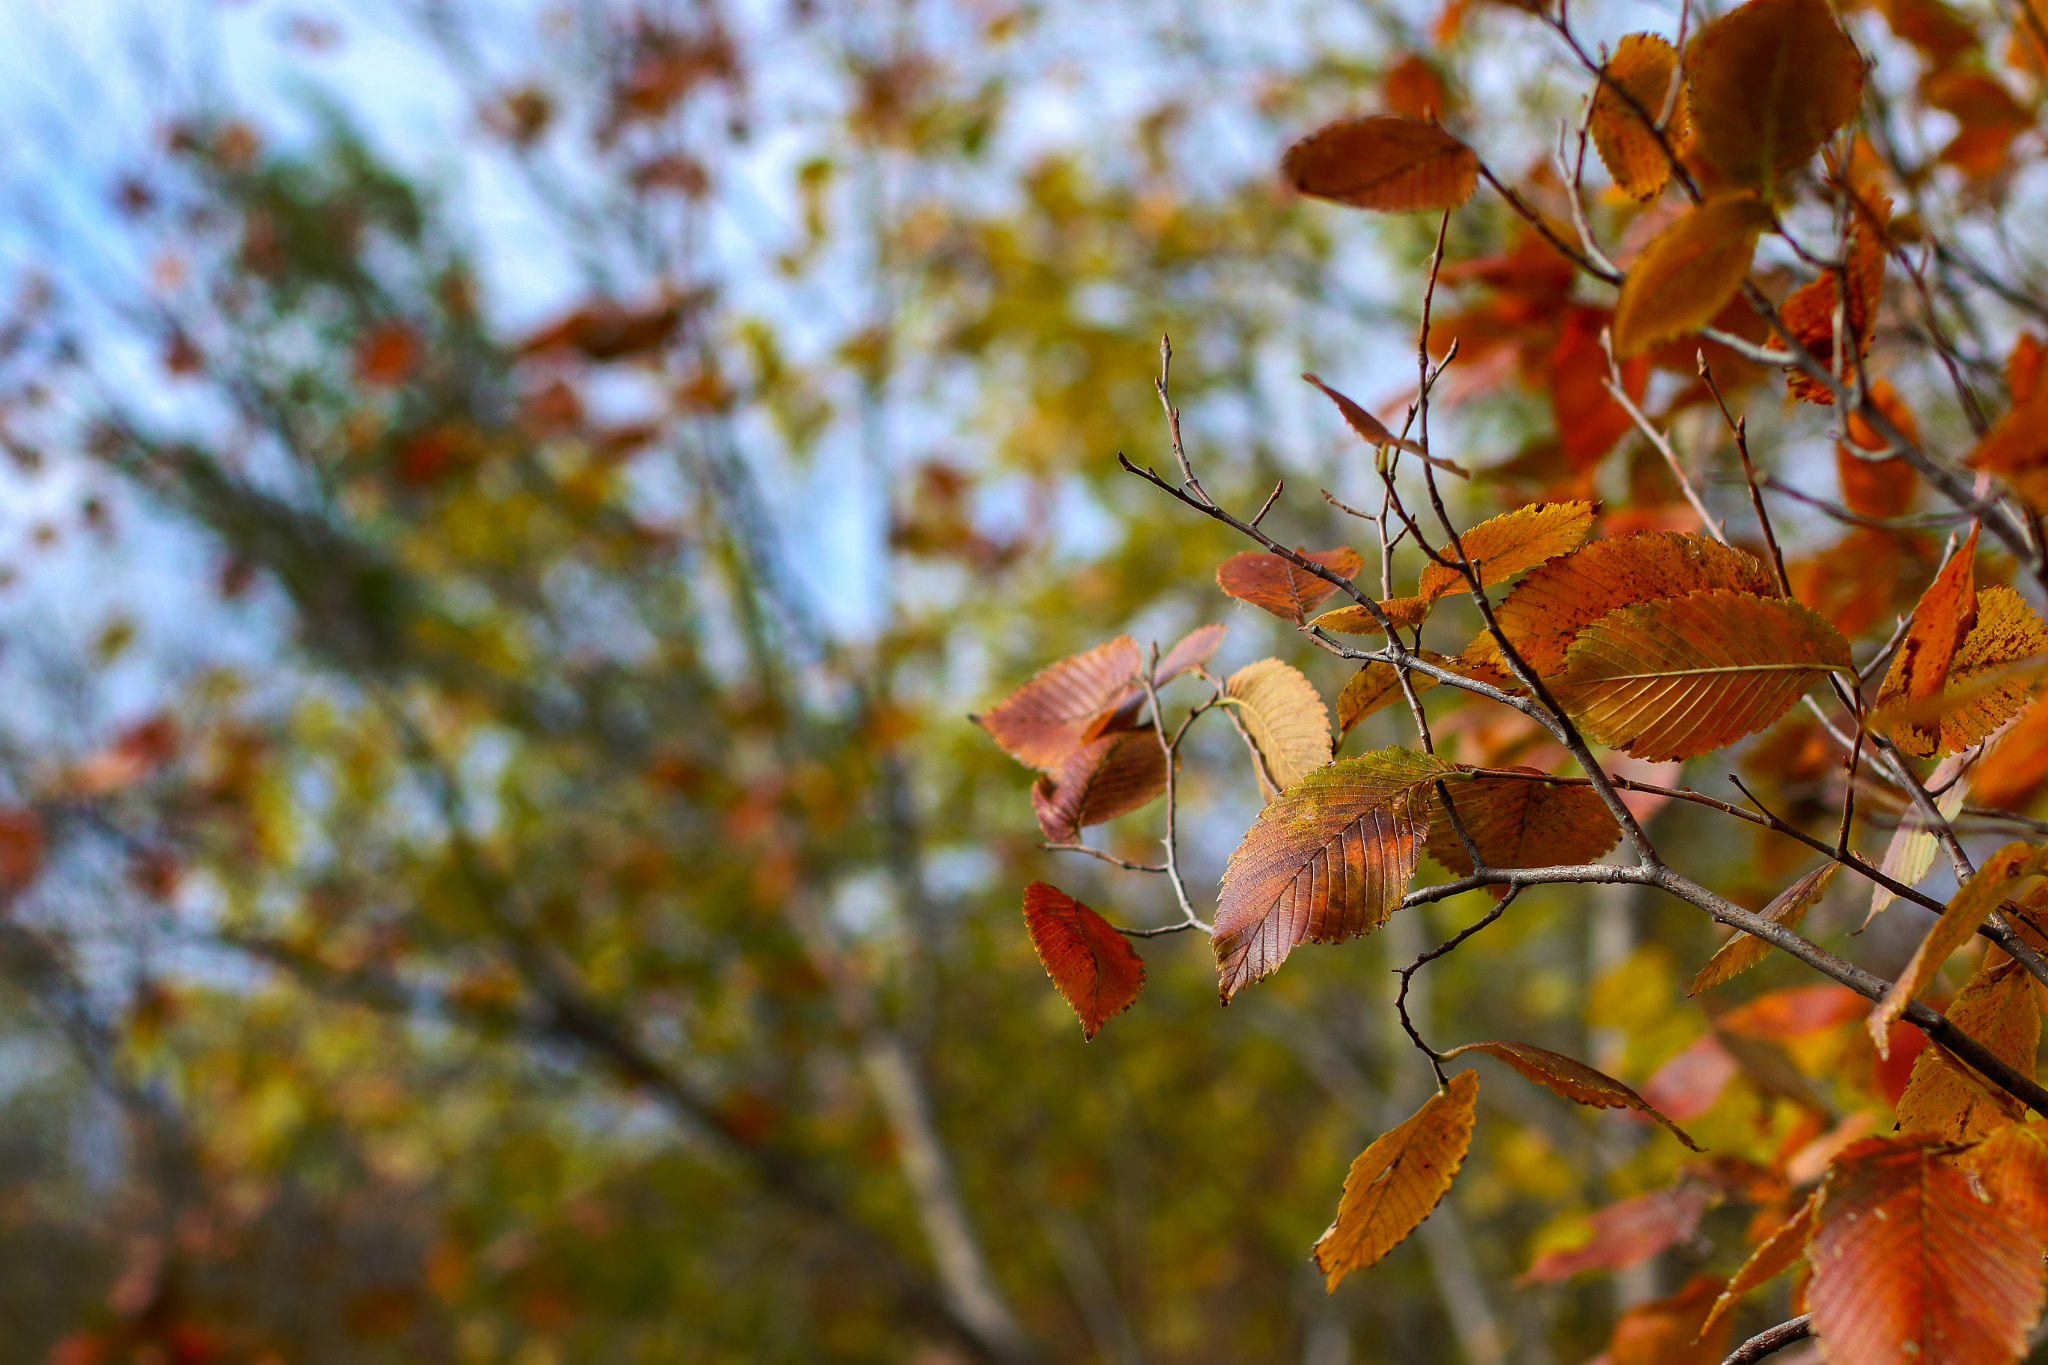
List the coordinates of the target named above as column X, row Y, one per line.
column 1099, row 781
column 1095, row 967
column 1795, row 1011
column 1627, row 1233
column 1050, row 716
column 1273, row 584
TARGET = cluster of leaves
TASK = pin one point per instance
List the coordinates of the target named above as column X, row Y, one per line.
column 1662, row 641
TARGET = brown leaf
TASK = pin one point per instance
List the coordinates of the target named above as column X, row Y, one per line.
column 1393, row 1184
column 1099, row 781
column 1549, row 608
column 1910, row 1267
column 1689, row 270
column 1997, row 1007
column 2016, row 447
column 2007, row 776
column 1768, row 83
column 1096, row 969
column 1285, row 717
column 1744, row 951
column 1413, row 86
column 1626, row 1233
column 607, row 331
column 1327, row 861
column 1047, row 718
column 1385, row 162
column 1369, row 428
column 2012, row 1167
column 1688, row 675
column 21, row 847
column 1670, row 1331
column 1941, row 622
column 1995, row 878
column 1505, row 545
column 1192, row 651
column 1519, row 823
column 1273, row 584
column 1778, row 1253
column 1574, row 1080
column 1642, row 67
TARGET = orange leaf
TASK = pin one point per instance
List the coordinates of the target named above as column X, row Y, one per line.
column 1997, row 1007
column 1777, row 1254
column 1878, row 488
column 1996, row 877
column 1793, row 1012
column 1910, row 1267
column 1385, row 162
column 1588, row 419
column 1096, row 969
column 1626, row 1233
column 1356, row 620
column 1744, row 951
column 1047, row 718
column 1941, row 622
column 2016, row 448
column 1670, row 1331
column 2007, row 776
column 1376, row 685
column 1369, row 428
column 1519, row 823
column 1285, row 717
column 1688, row 271
column 1414, row 87
column 1642, row 66
column 1191, row 651
column 1690, row 1082
column 1768, row 83
column 1327, row 861
column 1989, row 679
column 1505, row 545
column 1548, row 609
column 2012, row 1167
column 1572, row 1079
column 1273, row 584
column 1099, row 781
column 1809, row 311
column 1688, row 675
column 1393, row 1184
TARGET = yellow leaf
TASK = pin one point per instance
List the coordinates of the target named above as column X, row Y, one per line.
column 1505, row 545
column 1394, row 1183
column 1744, row 951
column 1284, row 715
column 1688, row 272
column 1404, row 612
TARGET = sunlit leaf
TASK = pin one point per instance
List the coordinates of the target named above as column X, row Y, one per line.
column 1386, row 162
column 1997, row 1007
column 1995, row 879
column 1941, row 622
column 1572, row 1079
column 1327, row 861
column 1285, row 717
column 1688, row 272
column 1688, row 675
column 2012, row 1168
column 1505, row 545
column 1046, row 719
column 1522, row 823
column 1809, row 311
column 1096, row 969
column 1775, row 1255
column 1911, row 1267
column 1393, row 1184
column 1634, row 83
column 1273, row 584
column 1099, row 781
column 1768, row 83
column 1910, row 854
column 1988, row 680
column 1357, row 620
column 1376, row 685
column 1744, row 951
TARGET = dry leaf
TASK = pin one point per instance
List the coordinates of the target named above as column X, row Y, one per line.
column 1192, row 651
column 1910, row 1267
column 1369, row 428
column 1941, row 622
column 1996, row 878
column 1997, row 1007
column 1099, row 781
column 1642, row 66
column 1386, row 162
column 1376, row 685
column 1404, row 612
column 1096, row 969
column 1809, row 311
column 2012, row 1168
column 2006, row 777
column 1519, row 823
column 1911, row 851
column 1329, row 860
column 1505, row 545
column 1394, row 1183
column 1273, row 584
column 1688, row 272
column 1626, row 1233
column 1768, row 82
column 1984, row 689
column 1670, row 1331
column 1777, row 1254
column 1047, row 718
column 1572, row 1079
column 1744, row 951
column 1688, row 675
column 1285, row 717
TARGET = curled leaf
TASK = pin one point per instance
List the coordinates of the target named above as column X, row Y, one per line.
column 1099, row 781
column 1393, row 1184
column 1095, row 968
column 1989, row 678
column 1048, row 717
column 1285, row 717
column 1941, row 621
column 1572, row 1079
column 1744, row 951
column 1688, row 272
column 1967, row 910
column 1386, row 162
column 1369, row 428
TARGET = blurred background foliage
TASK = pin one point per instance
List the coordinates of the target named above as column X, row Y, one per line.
column 507, row 511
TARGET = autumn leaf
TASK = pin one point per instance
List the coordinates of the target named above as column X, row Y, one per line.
column 1547, row 610
column 2008, row 774
column 1990, row 676
column 1046, row 719
column 1327, row 861
column 2016, row 447
column 1744, row 951
column 1574, row 1080
column 2012, row 1168
column 1967, row 910
column 1521, row 823
column 1584, row 411
column 1809, row 311
column 1376, row 685
column 1941, row 622
column 1394, row 1183
column 1386, row 162
column 21, row 847
column 1688, row 271
column 1369, row 428
column 1104, row 778
column 1505, row 545
column 1878, row 488
column 1626, row 1233
column 1910, row 853
column 1282, row 712
column 1997, row 1007
column 1775, row 1255
column 1911, row 1267
column 1670, row 1330
column 1355, row 619
column 1792, row 1012
column 1192, row 651
column 1273, row 584
column 1635, row 82
column 1768, row 82
column 1688, row 675
column 1096, row 969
